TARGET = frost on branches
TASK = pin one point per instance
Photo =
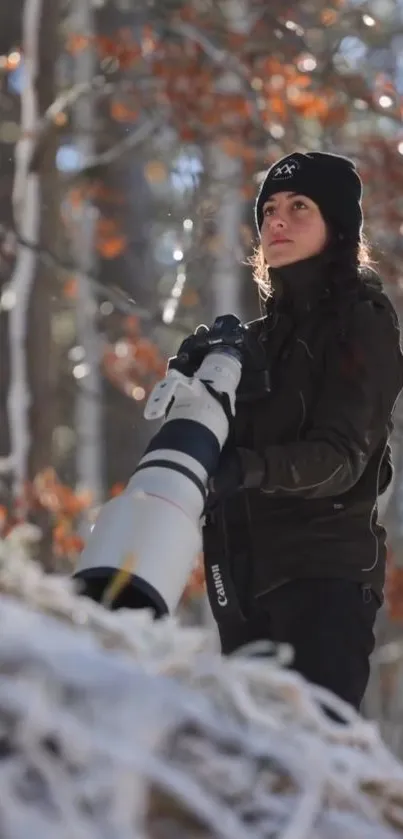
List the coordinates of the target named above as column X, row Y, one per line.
column 113, row 725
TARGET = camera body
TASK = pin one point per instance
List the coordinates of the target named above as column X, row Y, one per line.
column 228, row 331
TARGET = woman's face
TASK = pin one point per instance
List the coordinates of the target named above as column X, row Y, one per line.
column 293, row 229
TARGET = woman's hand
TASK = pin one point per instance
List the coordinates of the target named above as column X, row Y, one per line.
column 227, row 479
column 238, row 469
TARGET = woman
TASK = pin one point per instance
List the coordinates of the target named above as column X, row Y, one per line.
column 291, row 533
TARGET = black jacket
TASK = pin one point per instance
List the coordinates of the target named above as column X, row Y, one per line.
column 316, row 447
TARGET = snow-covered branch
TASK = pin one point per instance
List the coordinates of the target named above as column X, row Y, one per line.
column 115, row 725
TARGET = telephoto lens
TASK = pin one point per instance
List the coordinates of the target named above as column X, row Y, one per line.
column 145, row 542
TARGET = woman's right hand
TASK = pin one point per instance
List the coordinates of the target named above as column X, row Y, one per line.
column 189, row 356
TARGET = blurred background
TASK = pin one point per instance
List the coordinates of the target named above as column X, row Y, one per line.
column 133, row 138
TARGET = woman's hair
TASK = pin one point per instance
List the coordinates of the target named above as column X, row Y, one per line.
column 346, row 260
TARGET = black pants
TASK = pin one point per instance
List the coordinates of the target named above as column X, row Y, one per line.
column 329, row 623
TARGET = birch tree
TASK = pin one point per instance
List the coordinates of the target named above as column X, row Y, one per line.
column 30, row 291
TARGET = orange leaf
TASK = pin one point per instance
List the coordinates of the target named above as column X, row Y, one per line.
column 394, row 589
column 60, row 530
column 122, row 113
column 302, row 80
column 70, row 288
column 187, row 13
column 76, row 197
column 77, row 43
column 328, row 17
column 271, row 67
column 236, row 40
column 196, row 584
column 106, row 46
column 230, row 146
column 112, row 247
column 187, row 134
column 131, row 324
column 190, row 298
column 278, row 107
column 3, row 517
column 128, row 57
column 155, row 171
column 336, row 115
column 116, row 490
column 106, row 226
column 76, row 544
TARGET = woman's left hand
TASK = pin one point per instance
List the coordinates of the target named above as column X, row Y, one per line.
column 227, row 479
column 238, row 468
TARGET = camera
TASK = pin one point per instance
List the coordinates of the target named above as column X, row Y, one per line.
column 146, row 541
column 228, row 331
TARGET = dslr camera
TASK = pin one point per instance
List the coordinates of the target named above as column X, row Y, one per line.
column 228, row 334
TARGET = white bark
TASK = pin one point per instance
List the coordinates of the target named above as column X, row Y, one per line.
column 226, row 280
column 88, row 407
column 228, row 172
column 26, row 204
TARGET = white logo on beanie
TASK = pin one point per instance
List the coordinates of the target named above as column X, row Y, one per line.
column 286, row 170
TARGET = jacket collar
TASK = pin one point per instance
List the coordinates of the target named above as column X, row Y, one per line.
column 299, row 287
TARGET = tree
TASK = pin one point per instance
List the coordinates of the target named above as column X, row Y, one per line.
column 176, row 88
column 9, row 37
column 29, row 290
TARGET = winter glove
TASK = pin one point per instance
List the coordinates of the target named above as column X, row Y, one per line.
column 237, row 469
column 191, row 352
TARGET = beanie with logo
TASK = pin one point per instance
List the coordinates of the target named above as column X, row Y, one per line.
column 331, row 180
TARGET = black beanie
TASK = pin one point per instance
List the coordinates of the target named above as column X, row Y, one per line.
column 330, row 180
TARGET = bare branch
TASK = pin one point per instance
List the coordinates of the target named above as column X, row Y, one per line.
column 135, row 138
column 116, row 296
column 61, row 103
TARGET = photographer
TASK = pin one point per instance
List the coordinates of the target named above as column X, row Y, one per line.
column 293, row 549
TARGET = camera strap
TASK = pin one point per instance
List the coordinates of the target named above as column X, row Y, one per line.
column 221, row 589
column 222, row 399
column 221, row 592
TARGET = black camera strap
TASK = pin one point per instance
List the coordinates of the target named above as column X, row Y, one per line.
column 221, row 592
column 222, row 398
column 221, row 588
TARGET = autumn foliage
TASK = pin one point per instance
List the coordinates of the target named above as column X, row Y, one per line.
column 64, row 506
column 133, row 363
column 251, row 94
column 394, row 589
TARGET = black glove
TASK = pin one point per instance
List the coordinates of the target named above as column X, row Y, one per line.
column 237, row 469
column 190, row 353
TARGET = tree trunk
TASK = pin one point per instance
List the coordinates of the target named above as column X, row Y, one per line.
column 10, row 35
column 89, row 429
column 32, row 398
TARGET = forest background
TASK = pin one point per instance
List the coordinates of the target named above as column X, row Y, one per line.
column 133, row 138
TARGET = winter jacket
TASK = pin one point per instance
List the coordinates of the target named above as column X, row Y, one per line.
column 315, row 449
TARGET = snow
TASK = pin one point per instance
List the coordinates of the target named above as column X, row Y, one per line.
column 113, row 726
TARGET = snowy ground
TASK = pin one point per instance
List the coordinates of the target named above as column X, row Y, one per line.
column 117, row 727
